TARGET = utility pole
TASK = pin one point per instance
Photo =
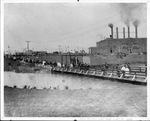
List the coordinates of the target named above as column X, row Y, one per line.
column 9, row 50
column 59, row 48
column 28, row 46
column 68, row 48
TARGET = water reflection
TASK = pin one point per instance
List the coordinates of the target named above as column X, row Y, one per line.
column 58, row 81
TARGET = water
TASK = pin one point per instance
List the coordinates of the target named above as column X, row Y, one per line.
column 59, row 81
column 101, row 97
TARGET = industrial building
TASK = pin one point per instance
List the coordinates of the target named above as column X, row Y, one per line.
column 115, row 50
column 124, row 45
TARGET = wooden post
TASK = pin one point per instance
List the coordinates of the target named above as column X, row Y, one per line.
column 140, row 69
column 133, row 77
column 66, row 59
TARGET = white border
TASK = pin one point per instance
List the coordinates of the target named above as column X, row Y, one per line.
column 2, row 59
column 74, row 1
column 148, row 58
column 72, row 118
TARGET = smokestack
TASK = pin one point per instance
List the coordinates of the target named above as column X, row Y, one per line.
column 136, row 23
column 124, row 32
column 112, row 32
column 111, row 26
column 117, row 32
column 128, row 32
column 136, row 32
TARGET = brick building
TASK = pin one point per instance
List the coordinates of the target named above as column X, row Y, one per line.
column 124, row 45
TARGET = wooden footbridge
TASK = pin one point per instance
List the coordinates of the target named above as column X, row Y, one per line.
column 137, row 75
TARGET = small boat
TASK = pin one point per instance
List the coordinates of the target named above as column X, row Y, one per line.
column 131, row 78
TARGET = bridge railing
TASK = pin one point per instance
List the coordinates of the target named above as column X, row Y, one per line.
column 136, row 73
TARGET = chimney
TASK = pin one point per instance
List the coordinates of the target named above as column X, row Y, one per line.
column 124, row 32
column 128, row 32
column 111, row 27
column 136, row 32
column 117, row 32
column 112, row 32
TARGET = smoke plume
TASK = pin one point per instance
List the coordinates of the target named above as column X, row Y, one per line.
column 136, row 23
column 110, row 25
column 130, row 12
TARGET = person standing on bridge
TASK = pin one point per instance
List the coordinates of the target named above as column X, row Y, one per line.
column 118, row 70
column 71, row 65
column 58, row 64
column 127, row 71
column 128, row 65
column 123, row 70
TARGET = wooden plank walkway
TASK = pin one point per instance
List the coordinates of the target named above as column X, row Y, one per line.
column 134, row 77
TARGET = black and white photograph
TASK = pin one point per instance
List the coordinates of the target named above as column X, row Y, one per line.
column 74, row 59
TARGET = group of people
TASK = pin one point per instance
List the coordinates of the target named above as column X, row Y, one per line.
column 124, row 69
column 121, row 69
column 81, row 66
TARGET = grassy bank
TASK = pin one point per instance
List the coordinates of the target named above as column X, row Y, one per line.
column 125, row 102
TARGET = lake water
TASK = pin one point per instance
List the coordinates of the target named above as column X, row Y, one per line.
column 59, row 81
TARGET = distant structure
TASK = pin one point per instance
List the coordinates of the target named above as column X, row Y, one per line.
column 124, row 45
column 28, row 45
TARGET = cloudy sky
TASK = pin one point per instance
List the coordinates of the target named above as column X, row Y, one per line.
column 77, row 25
